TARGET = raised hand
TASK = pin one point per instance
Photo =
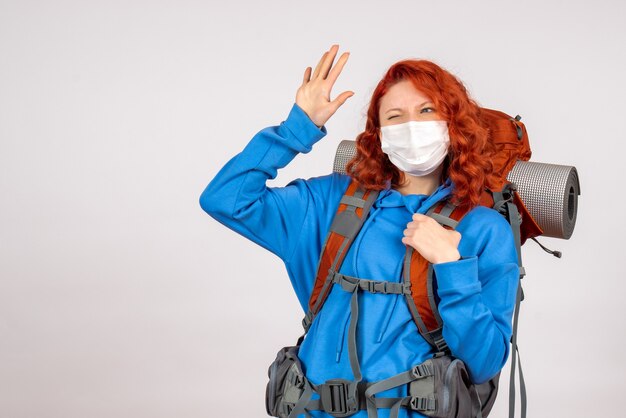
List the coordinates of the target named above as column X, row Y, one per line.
column 313, row 95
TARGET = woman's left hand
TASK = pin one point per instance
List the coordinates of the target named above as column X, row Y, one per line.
column 434, row 242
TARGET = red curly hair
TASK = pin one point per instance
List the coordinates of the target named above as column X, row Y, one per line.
column 468, row 163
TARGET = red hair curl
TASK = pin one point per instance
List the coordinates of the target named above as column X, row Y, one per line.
column 468, row 163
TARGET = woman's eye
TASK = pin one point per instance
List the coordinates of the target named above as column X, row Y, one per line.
column 391, row 117
column 430, row 109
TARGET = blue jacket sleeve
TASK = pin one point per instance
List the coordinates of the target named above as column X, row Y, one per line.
column 477, row 293
column 277, row 218
column 239, row 198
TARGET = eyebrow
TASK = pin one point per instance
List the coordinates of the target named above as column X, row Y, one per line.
column 397, row 108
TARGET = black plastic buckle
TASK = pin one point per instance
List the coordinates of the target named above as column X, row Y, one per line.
column 336, row 399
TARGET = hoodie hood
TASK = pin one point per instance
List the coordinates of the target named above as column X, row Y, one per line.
column 389, row 197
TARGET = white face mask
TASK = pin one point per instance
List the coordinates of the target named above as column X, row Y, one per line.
column 416, row 147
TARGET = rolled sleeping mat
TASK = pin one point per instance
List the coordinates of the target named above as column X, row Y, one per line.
column 549, row 191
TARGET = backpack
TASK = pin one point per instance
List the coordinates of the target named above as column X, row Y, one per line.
column 439, row 387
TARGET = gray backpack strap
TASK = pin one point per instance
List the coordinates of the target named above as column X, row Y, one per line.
column 443, row 217
column 503, row 203
column 420, row 371
column 421, row 326
column 433, row 337
column 348, row 283
column 347, row 224
column 515, row 359
column 300, row 406
column 340, row 397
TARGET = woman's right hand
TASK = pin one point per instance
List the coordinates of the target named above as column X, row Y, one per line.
column 313, row 96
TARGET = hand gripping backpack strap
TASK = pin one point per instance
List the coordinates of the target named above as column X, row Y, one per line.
column 418, row 280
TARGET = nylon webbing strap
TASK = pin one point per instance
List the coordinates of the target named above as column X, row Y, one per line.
column 515, row 221
column 439, row 342
column 418, row 372
column 419, row 279
column 346, row 225
column 447, row 210
column 354, row 359
column 515, row 359
column 352, row 201
column 353, row 285
column 423, row 329
column 348, row 283
column 431, row 295
column 299, row 407
column 444, row 220
column 316, row 404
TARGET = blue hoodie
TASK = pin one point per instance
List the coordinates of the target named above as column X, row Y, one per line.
column 477, row 293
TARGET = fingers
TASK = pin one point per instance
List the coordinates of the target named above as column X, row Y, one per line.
column 321, row 70
column 336, row 70
column 318, row 67
column 315, row 90
column 307, row 75
column 410, row 230
column 456, row 237
column 328, row 62
column 341, row 99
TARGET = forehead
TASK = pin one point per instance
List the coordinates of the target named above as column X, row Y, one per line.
column 402, row 94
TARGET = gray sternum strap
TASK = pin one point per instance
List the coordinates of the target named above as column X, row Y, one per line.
column 349, row 284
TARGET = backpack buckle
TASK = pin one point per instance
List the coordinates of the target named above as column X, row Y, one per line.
column 423, row 404
column 376, row 287
column 421, row 370
column 337, row 397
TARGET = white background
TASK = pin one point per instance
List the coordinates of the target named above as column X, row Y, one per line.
column 120, row 297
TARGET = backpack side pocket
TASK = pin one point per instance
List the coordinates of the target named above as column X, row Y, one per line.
column 454, row 394
column 286, row 382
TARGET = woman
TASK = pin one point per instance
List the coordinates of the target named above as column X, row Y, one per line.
column 423, row 143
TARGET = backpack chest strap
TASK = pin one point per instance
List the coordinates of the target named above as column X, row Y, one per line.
column 349, row 284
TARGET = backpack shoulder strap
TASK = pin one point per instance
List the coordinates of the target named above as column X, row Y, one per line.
column 507, row 202
column 349, row 218
column 418, row 277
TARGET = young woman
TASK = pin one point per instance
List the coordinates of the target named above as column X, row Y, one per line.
column 423, row 143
